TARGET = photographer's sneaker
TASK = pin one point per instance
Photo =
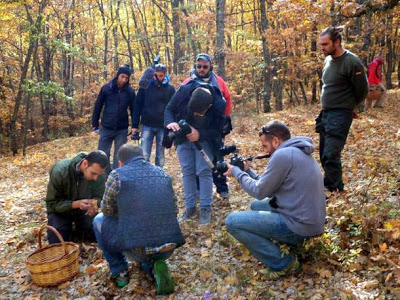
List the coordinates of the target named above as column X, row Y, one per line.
column 205, row 216
column 189, row 213
column 293, row 267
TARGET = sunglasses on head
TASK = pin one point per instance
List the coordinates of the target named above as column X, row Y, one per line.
column 264, row 130
column 205, row 67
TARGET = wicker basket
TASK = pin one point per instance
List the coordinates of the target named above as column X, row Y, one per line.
column 53, row 264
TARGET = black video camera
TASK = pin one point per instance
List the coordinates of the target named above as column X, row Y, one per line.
column 184, row 129
column 235, row 160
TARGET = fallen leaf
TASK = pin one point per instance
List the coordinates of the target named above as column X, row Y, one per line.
column 205, row 274
column 231, row 280
column 91, row 269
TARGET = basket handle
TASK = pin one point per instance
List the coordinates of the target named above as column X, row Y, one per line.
column 56, row 233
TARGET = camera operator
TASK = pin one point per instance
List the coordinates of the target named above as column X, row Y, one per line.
column 202, row 106
column 295, row 208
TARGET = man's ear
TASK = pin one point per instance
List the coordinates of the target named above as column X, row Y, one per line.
column 120, row 164
column 84, row 164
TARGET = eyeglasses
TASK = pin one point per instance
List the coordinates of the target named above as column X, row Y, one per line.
column 264, row 130
column 205, row 67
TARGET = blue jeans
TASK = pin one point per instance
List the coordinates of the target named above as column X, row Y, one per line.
column 107, row 136
column 192, row 165
column 118, row 260
column 257, row 228
column 148, row 134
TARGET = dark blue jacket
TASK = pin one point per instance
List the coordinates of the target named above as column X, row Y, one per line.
column 150, row 104
column 210, row 125
column 146, row 209
column 116, row 103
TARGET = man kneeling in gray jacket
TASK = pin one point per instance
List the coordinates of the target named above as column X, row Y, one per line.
column 292, row 203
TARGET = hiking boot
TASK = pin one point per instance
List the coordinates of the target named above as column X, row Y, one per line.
column 205, row 216
column 148, row 268
column 121, row 279
column 164, row 282
column 189, row 213
column 224, row 195
column 294, row 266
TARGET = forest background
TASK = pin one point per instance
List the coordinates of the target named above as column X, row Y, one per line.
column 55, row 55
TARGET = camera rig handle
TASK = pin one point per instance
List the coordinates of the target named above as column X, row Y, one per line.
column 206, row 158
column 251, row 158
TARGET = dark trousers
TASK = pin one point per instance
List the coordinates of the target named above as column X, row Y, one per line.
column 220, row 183
column 74, row 227
column 107, row 137
column 333, row 127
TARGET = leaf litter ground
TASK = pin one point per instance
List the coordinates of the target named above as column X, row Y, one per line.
column 356, row 258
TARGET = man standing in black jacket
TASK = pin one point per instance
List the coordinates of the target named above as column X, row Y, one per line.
column 116, row 96
column 149, row 110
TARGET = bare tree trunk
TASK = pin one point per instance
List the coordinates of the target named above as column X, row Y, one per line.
column 220, row 53
column 32, row 40
column 105, row 31
column 267, row 59
column 176, row 60
column 303, row 92
column 115, row 21
column 390, row 54
column 127, row 35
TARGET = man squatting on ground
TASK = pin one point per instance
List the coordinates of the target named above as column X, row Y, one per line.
column 291, row 203
column 138, row 219
column 74, row 191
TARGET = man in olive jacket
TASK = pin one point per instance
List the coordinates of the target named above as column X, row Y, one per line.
column 75, row 189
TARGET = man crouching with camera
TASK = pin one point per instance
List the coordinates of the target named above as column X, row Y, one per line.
column 291, row 205
column 202, row 107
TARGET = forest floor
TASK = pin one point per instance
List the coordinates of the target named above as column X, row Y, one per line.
column 356, row 258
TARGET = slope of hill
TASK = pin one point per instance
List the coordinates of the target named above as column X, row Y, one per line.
column 357, row 257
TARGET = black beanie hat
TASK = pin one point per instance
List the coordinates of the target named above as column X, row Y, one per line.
column 200, row 100
column 125, row 69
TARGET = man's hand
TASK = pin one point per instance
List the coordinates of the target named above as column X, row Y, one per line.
column 194, row 135
column 85, row 204
column 246, row 166
column 229, row 172
column 173, row 126
column 134, row 131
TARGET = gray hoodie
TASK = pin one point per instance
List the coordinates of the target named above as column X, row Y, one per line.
column 294, row 177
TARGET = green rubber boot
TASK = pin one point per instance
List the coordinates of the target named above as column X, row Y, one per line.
column 164, row 282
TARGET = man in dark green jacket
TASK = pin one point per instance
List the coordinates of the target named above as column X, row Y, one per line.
column 345, row 86
column 75, row 189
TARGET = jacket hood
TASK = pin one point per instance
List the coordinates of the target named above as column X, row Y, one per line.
column 166, row 80
column 379, row 60
column 303, row 143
